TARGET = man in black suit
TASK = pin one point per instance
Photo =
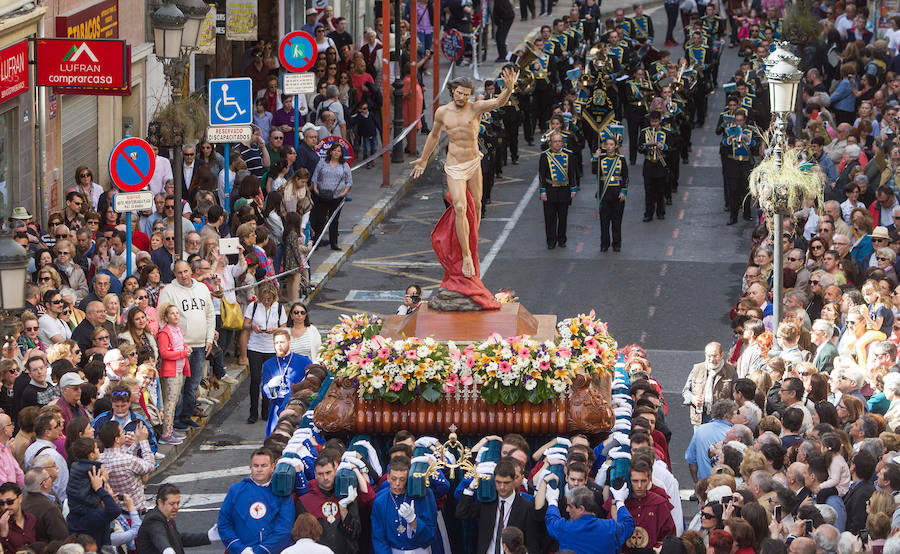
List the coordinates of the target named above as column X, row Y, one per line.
column 861, row 489
column 158, row 533
column 510, row 509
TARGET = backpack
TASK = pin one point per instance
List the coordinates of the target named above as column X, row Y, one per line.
column 255, row 304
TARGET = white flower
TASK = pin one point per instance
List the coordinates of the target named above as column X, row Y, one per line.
column 506, row 353
column 559, row 386
column 422, row 351
column 377, row 382
column 531, row 384
column 429, row 342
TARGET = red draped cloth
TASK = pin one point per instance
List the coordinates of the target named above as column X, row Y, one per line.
column 449, row 254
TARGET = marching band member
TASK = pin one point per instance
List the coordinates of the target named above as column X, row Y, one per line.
column 738, row 164
column 654, row 143
column 558, row 188
column 613, row 173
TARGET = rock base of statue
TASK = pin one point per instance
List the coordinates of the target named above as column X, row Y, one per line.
column 510, row 320
column 449, row 254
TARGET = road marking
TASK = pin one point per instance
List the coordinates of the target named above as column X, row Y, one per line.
column 510, row 225
column 560, row 289
column 686, row 194
column 571, row 268
column 681, row 213
column 663, row 269
column 690, row 180
column 495, row 219
column 643, row 336
column 397, row 264
column 675, row 233
column 651, row 310
column 670, row 250
column 579, row 248
column 658, row 291
column 204, row 499
column 201, row 475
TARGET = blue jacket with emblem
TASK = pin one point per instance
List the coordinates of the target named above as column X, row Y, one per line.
column 253, row 516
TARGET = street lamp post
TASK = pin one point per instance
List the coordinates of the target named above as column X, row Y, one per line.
column 176, row 32
column 783, row 75
column 13, row 272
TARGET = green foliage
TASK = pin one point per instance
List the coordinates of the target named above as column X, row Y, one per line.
column 177, row 124
column 799, row 25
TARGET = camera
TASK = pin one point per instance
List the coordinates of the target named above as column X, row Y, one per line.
column 416, row 298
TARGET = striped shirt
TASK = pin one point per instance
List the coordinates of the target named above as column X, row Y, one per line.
column 252, row 155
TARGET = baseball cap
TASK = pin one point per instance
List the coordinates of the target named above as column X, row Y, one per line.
column 71, row 379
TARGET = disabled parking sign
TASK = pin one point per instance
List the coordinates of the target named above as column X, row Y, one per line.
column 231, row 101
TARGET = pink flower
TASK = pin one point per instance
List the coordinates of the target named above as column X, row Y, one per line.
column 565, row 352
column 504, row 367
column 591, row 343
column 384, row 353
column 410, row 354
column 470, row 362
column 449, row 389
column 378, row 341
column 365, row 362
column 524, row 353
column 396, row 385
column 545, row 365
column 353, row 356
column 466, row 380
column 453, row 378
column 455, row 354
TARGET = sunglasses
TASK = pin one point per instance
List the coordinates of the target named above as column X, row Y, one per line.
column 63, row 253
column 85, row 175
column 881, row 259
column 811, row 282
column 277, row 138
column 32, row 328
column 9, row 502
column 142, row 297
column 58, row 301
column 706, row 515
column 102, row 337
column 62, row 236
column 298, row 312
column 132, row 354
column 170, row 207
column 121, row 394
column 44, row 279
column 817, row 247
column 191, row 155
column 794, row 259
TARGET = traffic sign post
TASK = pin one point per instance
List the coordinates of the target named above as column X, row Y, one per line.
column 231, row 101
column 452, row 45
column 224, row 135
column 127, row 202
column 131, row 166
column 299, row 83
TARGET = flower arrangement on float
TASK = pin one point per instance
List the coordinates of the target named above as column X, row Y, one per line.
column 506, row 370
column 351, row 331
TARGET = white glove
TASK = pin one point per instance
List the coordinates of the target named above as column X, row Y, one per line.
column 621, row 399
column 621, row 438
column 619, row 454
column 618, row 382
column 622, row 424
column 344, row 465
column 351, row 496
column 425, row 459
column 349, row 456
column 308, row 414
column 407, row 511
column 555, row 450
column 563, row 441
column 470, row 488
column 485, row 468
column 373, row 456
column 303, row 451
column 622, row 411
column 213, row 533
column 274, row 383
column 247, row 550
column 620, row 494
column 552, row 495
column 426, row 442
column 353, row 460
column 450, row 458
column 553, row 459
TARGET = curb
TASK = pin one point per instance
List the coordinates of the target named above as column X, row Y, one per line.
column 223, row 395
column 361, row 231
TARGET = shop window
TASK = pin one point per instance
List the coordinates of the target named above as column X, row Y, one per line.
column 8, row 160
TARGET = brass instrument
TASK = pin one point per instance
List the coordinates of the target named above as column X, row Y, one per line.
column 530, row 53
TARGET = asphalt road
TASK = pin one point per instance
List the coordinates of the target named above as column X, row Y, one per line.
column 669, row 289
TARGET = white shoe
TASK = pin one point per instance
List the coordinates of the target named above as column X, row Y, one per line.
column 159, row 455
column 213, row 400
column 229, row 380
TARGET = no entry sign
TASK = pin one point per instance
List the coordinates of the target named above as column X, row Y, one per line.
column 452, row 45
column 131, row 164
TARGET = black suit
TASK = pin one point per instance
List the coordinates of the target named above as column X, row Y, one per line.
column 156, row 534
column 522, row 515
column 855, row 503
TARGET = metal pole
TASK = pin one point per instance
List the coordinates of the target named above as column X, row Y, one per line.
column 385, row 91
column 227, row 180
column 778, row 228
column 397, row 152
column 297, row 122
column 179, row 210
column 413, row 56
column 128, row 244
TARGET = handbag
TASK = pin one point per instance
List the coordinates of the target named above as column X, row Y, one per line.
column 232, row 319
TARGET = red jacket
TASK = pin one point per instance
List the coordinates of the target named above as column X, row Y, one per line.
column 653, row 514
column 169, row 356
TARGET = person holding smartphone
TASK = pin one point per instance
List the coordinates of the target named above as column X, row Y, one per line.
column 411, row 300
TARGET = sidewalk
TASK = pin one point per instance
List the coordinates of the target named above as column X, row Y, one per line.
column 371, row 202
